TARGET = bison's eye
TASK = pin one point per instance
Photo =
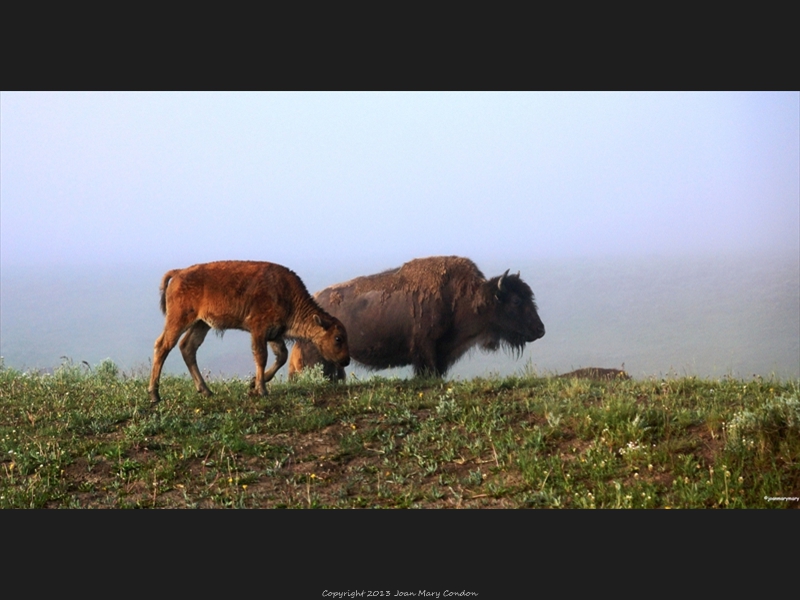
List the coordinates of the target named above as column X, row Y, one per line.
column 338, row 339
column 515, row 301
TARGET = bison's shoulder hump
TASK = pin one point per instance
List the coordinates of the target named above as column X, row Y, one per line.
column 436, row 272
column 383, row 282
column 440, row 265
column 424, row 276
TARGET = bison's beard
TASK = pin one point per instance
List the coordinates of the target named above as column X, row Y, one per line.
column 513, row 346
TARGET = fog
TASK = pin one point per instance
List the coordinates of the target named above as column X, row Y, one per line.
column 332, row 179
column 661, row 229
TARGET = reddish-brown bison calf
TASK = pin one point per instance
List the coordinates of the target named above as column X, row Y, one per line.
column 268, row 300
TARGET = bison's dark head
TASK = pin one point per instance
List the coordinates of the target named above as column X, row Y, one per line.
column 513, row 319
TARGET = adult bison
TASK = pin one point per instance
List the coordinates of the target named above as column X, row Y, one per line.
column 427, row 314
column 268, row 300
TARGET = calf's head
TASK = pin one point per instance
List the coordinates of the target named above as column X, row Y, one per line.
column 330, row 338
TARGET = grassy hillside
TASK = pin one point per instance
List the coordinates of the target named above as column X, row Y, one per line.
column 86, row 437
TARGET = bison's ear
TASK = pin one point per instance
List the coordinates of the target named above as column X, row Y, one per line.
column 501, row 281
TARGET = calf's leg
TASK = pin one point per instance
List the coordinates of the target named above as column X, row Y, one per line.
column 189, row 345
column 263, row 375
column 281, row 354
column 165, row 342
column 259, row 344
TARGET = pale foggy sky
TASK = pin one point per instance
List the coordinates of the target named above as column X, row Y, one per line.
column 375, row 179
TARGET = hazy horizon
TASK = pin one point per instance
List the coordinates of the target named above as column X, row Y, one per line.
column 709, row 317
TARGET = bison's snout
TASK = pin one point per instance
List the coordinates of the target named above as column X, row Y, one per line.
column 344, row 362
column 537, row 333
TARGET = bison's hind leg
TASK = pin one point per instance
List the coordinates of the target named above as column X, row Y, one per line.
column 341, row 374
column 296, row 361
column 189, row 345
column 305, row 355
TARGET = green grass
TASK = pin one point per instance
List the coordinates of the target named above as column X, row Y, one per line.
column 87, row 437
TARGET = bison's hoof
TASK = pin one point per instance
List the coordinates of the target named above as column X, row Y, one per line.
column 154, row 398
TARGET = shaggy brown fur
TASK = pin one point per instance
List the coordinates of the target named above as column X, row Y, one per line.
column 424, row 279
column 268, row 300
column 427, row 313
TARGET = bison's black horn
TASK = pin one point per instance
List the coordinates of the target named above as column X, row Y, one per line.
column 502, row 279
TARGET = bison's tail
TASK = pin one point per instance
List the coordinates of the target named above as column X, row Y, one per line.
column 164, row 281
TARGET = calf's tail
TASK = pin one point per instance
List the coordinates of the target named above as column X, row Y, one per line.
column 164, row 281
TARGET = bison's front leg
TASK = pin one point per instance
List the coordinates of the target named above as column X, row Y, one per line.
column 425, row 361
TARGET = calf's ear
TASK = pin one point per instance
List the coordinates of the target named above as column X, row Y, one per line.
column 320, row 322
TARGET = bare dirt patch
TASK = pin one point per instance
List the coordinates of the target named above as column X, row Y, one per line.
column 596, row 374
